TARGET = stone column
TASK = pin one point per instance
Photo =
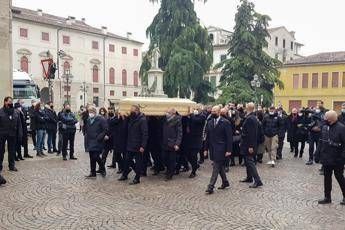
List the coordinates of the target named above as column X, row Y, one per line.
column 5, row 50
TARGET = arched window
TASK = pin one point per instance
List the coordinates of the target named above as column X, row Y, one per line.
column 124, row 77
column 135, row 78
column 95, row 73
column 111, row 76
column 24, row 64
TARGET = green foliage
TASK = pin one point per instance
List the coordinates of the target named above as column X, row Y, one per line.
column 185, row 48
column 247, row 58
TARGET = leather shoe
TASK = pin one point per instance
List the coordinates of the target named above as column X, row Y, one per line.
column 134, row 182
column 309, row 162
column 119, row 172
column 112, row 166
column 73, row 158
column 343, row 202
column 246, row 180
column 64, row 158
column 28, row 156
column 192, row 175
column 224, row 185
column 325, row 201
column 91, row 176
column 256, row 185
column 2, row 180
column 14, row 169
column 209, row 191
column 123, row 178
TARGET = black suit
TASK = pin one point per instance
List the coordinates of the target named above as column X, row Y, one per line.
column 218, row 142
column 250, row 140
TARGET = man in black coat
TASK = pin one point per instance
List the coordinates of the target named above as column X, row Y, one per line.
column 219, row 144
column 24, row 141
column 331, row 154
column 52, row 120
column 281, row 132
column 194, row 138
column 249, row 144
column 10, row 132
column 171, row 140
column 155, row 126
column 31, row 113
column 341, row 117
column 137, row 136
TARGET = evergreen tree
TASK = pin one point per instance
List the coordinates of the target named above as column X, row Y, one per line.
column 185, row 48
column 247, row 58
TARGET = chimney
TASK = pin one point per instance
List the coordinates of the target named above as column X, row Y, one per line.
column 39, row 12
column 70, row 20
column 129, row 35
column 293, row 33
column 83, row 20
column 104, row 30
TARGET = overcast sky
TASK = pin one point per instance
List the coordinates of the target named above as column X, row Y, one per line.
column 319, row 24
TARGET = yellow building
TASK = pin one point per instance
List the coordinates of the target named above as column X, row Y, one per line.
column 311, row 79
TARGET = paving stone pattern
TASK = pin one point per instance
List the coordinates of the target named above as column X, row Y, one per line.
column 52, row 194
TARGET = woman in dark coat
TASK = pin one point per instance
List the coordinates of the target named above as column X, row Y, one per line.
column 302, row 132
column 96, row 129
column 292, row 129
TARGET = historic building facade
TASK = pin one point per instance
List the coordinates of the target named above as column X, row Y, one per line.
column 103, row 67
column 311, row 79
column 282, row 45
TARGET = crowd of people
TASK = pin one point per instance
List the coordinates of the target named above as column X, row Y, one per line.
column 174, row 144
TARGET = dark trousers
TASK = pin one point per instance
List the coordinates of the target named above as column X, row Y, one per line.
column 170, row 158
column 117, row 158
column 313, row 142
column 157, row 160
column 295, row 147
column 105, row 153
column 51, row 140
column 94, row 159
column 137, row 166
column 181, row 160
column 218, row 169
column 252, row 172
column 280, row 146
column 33, row 136
column 11, row 148
column 68, row 137
column 192, row 157
column 339, row 175
column 60, row 140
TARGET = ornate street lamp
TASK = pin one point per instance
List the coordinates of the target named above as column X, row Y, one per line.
column 84, row 88
column 255, row 83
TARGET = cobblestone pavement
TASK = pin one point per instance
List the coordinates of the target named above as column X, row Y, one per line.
column 52, row 194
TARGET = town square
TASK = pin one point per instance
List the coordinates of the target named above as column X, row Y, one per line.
column 172, row 114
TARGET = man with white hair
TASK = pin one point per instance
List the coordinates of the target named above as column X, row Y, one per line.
column 331, row 154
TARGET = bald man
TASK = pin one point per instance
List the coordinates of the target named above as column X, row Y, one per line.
column 249, row 144
column 219, row 144
column 331, row 154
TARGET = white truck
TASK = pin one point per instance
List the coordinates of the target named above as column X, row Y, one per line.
column 24, row 88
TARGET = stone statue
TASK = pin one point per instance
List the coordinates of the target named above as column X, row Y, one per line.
column 155, row 58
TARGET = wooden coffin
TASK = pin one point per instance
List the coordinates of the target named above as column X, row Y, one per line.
column 153, row 106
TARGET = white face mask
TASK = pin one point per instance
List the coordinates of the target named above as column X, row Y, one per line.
column 343, row 110
column 271, row 113
column 317, row 110
column 196, row 112
column 300, row 114
column 92, row 115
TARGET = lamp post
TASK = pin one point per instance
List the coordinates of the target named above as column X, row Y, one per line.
column 84, row 88
column 255, row 83
column 67, row 80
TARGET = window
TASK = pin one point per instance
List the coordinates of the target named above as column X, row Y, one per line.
column 135, row 78
column 124, row 77
column 111, row 48
column 324, row 80
column 213, row 81
column 23, row 32
column 295, row 81
column 111, row 76
column 124, row 50
column 95, row 73
column 96, row 101
column 312, row 103
column 95, row 90
column 135, row 94
column 124, row 93
column 24, row 64
column 335, row 79
column 66, row 66
column 284, row 43
column 95, row 45
column 295, row 104
column 343, row 80
column 135, row 52
column 305, row 77
column 291, row 45
column 66, row 40
column 276, row 42
column 112, row 92
column 315, row 80
column 212, row 37
column 222, row 57
column 45, row 36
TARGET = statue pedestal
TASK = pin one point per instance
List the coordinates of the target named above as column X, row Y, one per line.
column 155, row 82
